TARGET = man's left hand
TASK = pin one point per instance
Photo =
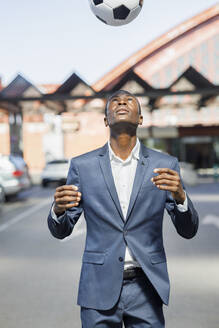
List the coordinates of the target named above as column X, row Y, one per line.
column 168, row 179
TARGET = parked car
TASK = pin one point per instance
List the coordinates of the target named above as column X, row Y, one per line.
column 189, row 175
column 14, row 174
column 55, row 171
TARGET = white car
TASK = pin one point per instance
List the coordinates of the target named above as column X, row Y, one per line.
column 189, row 175
column 14, row 174
column 55, row 171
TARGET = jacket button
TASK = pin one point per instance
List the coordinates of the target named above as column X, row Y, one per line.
column 120, row 259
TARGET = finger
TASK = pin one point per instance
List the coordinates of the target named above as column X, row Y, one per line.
column 66, row 187
column 165, row 176
column 167, row 188
column 165, row 170
column 61, row 195
column 166, row 182
column 67, row 199
column 66, row 206
column 68, row 193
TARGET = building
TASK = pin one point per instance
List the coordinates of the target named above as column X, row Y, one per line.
column 185, row 58
column 184, row 124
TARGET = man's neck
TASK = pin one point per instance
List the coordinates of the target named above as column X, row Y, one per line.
column 122, row 145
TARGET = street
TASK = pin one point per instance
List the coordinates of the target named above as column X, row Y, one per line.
column 39, row 274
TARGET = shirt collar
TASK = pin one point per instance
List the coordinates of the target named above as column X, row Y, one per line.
column 134, row 153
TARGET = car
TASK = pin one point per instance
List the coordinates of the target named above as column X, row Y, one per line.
column 187, row 171
column 189, row 175
column 55, row 171
column 14, row 174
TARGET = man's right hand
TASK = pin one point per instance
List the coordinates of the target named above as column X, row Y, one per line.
column 66, row 197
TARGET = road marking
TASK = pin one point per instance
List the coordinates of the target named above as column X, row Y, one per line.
column 204, row 198
column 25, row 214
column 78, row 230
column 211, row 219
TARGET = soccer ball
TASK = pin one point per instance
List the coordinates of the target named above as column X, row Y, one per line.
column 116, row 12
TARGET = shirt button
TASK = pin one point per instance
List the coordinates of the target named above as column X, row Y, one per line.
column 125, row 232
column 120, row 259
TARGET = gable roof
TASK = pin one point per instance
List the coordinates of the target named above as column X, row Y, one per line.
column 17, row 87
column 156, row 45
column 196, row 78
column 70, row 84
column 130, row 76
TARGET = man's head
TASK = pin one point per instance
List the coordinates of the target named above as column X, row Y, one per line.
column 122, row 106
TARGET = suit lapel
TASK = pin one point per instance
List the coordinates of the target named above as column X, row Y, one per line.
column 139, row 177
column 108, row 177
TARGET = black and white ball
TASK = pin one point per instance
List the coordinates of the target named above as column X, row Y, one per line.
column 116, row 12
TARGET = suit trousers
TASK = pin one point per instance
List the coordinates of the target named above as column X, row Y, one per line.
column 139, row 306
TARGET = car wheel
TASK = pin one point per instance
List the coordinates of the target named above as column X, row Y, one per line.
column 44, row 184
column 2, row 197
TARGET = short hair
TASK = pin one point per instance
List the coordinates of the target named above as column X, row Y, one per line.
column 122, row 92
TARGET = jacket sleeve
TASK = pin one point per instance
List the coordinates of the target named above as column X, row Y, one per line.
column 186, row 223
column 66, row 223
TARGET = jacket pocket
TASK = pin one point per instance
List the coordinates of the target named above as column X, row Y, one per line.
column 93, row 257
column 158, row 257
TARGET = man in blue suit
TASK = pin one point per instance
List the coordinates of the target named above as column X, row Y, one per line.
column 123, row 189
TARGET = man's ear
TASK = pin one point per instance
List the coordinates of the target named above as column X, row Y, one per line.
column 105, row 121
column 140, row 120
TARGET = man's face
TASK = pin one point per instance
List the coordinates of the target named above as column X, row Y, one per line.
column 123, row 108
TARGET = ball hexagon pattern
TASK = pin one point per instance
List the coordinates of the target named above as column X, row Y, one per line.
column 116, row 12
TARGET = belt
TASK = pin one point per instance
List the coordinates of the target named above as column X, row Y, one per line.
column 133, row 273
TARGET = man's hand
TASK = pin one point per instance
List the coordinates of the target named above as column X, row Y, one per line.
column 66, row 197
column 168, row 179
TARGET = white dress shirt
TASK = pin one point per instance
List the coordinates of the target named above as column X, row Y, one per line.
column 123, row 174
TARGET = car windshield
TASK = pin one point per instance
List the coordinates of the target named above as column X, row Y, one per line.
column 17, row 161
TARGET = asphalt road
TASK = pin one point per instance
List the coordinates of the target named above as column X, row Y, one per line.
column 39, row 274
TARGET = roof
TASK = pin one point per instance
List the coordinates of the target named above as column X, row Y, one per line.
column 71, row 83
column 17, row 87
column 131, row 76
column 196, row 78
column 154, row 46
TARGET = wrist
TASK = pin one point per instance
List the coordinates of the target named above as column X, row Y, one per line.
column 180, row 199
column 57, row 211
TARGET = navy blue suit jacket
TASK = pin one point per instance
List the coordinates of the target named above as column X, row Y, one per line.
column 108, row 232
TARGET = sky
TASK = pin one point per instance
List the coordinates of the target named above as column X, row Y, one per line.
column 47, row 40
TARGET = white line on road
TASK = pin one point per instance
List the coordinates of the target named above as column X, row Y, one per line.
column 78, row 230
column 204, row 197
column 25, row 214
column 211, row 219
